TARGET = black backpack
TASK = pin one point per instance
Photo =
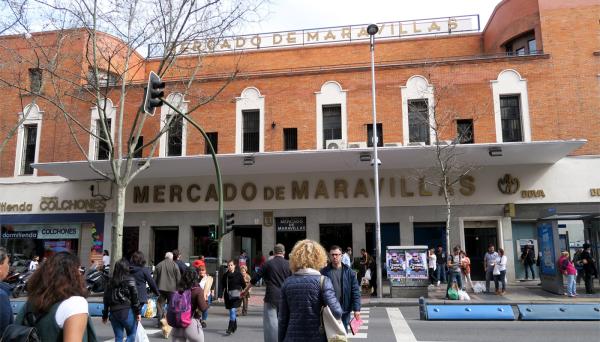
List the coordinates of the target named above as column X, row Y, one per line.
column 25, row 332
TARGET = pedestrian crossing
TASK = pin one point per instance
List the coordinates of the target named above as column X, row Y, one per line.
column 362, row 334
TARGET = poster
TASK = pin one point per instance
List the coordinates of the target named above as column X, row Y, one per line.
column 407, row 265
column 417, row 264
column 395, row 265
column 547, row 253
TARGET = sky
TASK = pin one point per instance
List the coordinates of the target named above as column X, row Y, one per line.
column 284, row 15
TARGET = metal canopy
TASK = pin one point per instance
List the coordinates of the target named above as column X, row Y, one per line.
column 310, row 161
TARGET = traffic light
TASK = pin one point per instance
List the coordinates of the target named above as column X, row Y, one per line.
column 154, row 93
column 212, row 231
column 229, row 221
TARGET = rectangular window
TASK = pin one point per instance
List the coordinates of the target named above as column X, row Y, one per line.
column 29, row 144
column 214, row 140
column 35, row 80
column 137, row 153
column 332, row 123
column 379, row 135
column 418, row 121
column 510, row 109
column 251, row 131
column 520, row 51
column 175, row 136
column 105, row 78
column 290, row 139
column 532, row 46
column 103, row 151
column 464, row 131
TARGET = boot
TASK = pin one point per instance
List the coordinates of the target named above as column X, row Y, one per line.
column 230, row 329
column 234, row 325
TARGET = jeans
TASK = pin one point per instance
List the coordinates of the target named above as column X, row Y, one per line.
column 233, row 314
column 527, row 268
column 129, row 325
column 441, row 271
column 205, row 313
column 489, row 275
column 433, row 276
column 500, row 278
column 270, row 330
column 571, row 285
column 453, row 277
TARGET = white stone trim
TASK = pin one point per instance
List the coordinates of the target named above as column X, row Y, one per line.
column 250, row 99
column 110, row 114
column 34, row 117
column 510, row 82
column 331, row 93
column 461, row 228
column 178, row 100
column 417, row 87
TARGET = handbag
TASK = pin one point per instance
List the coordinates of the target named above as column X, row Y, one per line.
column 25, row 332
column 334, row 328
column 233, row 294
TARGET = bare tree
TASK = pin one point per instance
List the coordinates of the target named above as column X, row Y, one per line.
column 114, row 36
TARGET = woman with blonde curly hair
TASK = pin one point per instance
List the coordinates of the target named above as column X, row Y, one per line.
column 302, row 295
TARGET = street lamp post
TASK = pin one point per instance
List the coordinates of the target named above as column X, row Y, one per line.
column 372, row 30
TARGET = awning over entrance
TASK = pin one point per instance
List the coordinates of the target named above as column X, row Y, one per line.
column 352, row 159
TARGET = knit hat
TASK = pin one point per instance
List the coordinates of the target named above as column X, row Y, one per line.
column 279, row 249
column 198, row 263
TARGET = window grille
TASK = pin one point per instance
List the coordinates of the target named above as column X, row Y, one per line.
column 510, row 110
column 332, row 123
column 418, row 121
column 251, row 132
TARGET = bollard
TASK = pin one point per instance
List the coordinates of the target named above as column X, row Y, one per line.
column 451, row 312
column 559, row 312
column 422, row 309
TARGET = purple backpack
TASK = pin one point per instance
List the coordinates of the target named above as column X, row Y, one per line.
column 179, row 313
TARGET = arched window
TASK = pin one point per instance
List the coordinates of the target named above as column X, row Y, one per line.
column 418, row 124
column 250, row 121
column 173, row 142
column 511, row 107
column 28, row 140
column 100, row 149
column 332, row 119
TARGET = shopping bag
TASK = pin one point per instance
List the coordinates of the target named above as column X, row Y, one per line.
column 355, row 325
column 140, row 334
column 368, row 274
column 463, row 295
column 149, row 309
column 478, row 287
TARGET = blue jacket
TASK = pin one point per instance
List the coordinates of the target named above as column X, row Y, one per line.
column 142, row 275
column 350, row 288
column 300, row 306
column 6, row 314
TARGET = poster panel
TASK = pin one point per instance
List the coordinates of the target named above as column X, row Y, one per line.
column 548, row 254
column 407, row 265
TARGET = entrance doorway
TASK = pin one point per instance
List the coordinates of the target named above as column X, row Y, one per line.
column 477, row 240
column 131, row 237
column 430, row 234
column 390, row 236
column 248, row 238
column 289, row 231
column 165, row 240
column 335, row 234
column 203, row 244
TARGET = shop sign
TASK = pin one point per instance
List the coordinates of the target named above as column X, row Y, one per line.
column 533, row 194
column 42, row 232
column 56, row 204
column 290, row 224
column 508, row 184
column 6, row 207
column 595, row 192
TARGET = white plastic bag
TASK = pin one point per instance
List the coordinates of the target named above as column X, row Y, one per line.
column 463, row 295
column 478, row 287
column 368, row 274
column 140, row 334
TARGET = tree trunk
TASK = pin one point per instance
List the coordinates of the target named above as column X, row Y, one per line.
column 117, row 229
column 448, row 213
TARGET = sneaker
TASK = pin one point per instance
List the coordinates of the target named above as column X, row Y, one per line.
column 438, row 283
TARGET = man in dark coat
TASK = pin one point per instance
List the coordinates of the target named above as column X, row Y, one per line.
column 589, row 268
column 345, row 285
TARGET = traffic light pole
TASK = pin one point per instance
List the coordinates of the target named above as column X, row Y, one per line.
column 211, row 149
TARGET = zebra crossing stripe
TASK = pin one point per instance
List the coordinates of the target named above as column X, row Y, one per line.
column 401, row 329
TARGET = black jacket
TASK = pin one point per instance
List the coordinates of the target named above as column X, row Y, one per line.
column 274, row 272
column 232, row 281
column 6, row 314
column 121, row 296
column 142, row 275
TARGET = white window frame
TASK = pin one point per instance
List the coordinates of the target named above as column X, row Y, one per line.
column 250, row 99
column 33, row 117
column 510, row 82
column 331, row 93
column 110, row 114
column 166, row 111
column 418, row 88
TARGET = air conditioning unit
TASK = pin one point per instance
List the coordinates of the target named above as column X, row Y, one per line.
column 360, row 144
column 416, row 143
column 392, row 144
column 335, row 144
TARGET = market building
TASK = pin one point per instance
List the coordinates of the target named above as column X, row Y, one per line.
column 292, row 133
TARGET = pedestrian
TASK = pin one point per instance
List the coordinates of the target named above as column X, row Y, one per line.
column 368, row 264
column 232, row 286
column 207, row 284
column 441, row 266
column 6, row 314
column 273, row 273
column 33, row 264
column 454, row 272
column 499, row 272
column 122, row 302
column 271, row 255
column 166, row 276
column 432, row 266
column 243, row 259
column 105, row 258
column 589, row 268
column 259, row 262
column 194, row 331
column 246, row 294
column 345, row 285
column 57, row 299
column 489, row 261
column 578, row 264
column 141, row 275
column 528, row 260
column 347, row 257
column 180, row 264
column 566, row 267
column 465, row 269
column 304, row 293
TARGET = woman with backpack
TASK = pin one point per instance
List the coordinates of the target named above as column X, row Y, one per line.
column 121, row 301
column 232, row 285
column 186, row 307
column 57, row 303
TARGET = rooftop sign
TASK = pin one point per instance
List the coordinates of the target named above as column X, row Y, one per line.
column 327, row 35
